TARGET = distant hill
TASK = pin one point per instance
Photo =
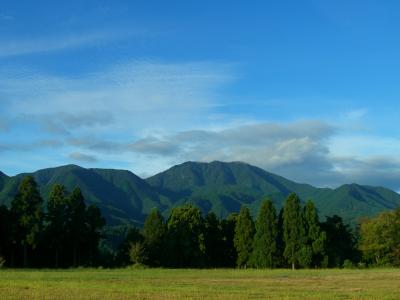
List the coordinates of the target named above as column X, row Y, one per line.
column 121, row 195
column 218, row 186
column 224, row 187
column 3, row 179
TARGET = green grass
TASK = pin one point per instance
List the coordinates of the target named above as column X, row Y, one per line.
column 200, row 284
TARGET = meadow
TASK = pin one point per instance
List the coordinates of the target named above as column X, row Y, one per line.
column 200, row 284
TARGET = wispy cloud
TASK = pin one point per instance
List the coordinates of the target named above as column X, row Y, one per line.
column 117, row 104
column 146, row 116
column 128, row 97
column 6, row 17
column 40, row 44
column 81, row 157
column 30, row 146
column 356, row 114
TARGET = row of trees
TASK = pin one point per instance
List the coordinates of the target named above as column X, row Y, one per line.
column 62, row 234
column 293, row 238
column 65, row 232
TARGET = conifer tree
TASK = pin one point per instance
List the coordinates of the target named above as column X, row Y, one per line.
column 213, row 238
column 228, row 226
column 6, row 234
column 293, row 230
column 154, row 232
column 244, row 233
column 94, row 222
column 340, row 242
column 313, row 248
column 27, row 209
column 76, row 223
column 57, row 216
column 265, row 240
column 280, row 244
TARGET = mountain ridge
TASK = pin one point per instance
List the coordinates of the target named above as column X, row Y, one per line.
column 217, row 186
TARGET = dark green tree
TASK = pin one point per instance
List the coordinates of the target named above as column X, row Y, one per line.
column 133, row 236
column 6, row 235
column 76, row 224
column 27, row 209
column 293, row 230
column 244, row 234
column 214, row 241
column 185, row 245
column 264, row 253
column 340, row 242
column 154, row 232
column 94, row 223
column 313, row 249
column 228, row 226
column 56, row 218
column 280, row 244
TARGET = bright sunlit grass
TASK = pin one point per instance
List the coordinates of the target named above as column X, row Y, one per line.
column 199, row 284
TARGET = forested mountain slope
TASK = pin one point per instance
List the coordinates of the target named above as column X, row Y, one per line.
column 218, row 186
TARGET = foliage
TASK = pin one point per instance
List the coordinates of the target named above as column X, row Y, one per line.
column 68, row 234
column 380, row 239
column 137, row 253
column 293, row 231
column 185, row 243
column 313, row 249
column 57, row 219
column 214, row 241
column 264, row 253
column 243, row 240
column 133, row 236
column 229, row 255
column 27, row 208
column 154, row 233
column 340, row 241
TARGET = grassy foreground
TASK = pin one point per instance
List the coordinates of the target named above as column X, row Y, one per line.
column 200, row 284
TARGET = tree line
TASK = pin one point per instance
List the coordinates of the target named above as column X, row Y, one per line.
column 64, row 233
column 67, row 233
column 294, row 238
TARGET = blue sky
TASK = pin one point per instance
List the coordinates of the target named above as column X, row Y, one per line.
column 305, row 89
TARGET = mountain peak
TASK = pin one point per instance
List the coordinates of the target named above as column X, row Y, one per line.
column 221, row 187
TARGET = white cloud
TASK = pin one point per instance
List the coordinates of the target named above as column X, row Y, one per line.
column 130, row 97
column 147, row 116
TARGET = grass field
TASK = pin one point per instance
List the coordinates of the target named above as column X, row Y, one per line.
column 200, row 284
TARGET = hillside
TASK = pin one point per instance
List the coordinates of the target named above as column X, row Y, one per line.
column 221, row 187
column 121, row 195
column 224, row 187
column 3, row 179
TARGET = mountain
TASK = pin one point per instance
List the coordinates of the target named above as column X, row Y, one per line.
column 121, row 195
column 224, row 187
column 218, row 186
column 3, row 179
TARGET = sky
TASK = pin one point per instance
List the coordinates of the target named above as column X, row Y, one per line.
column 305, row 89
